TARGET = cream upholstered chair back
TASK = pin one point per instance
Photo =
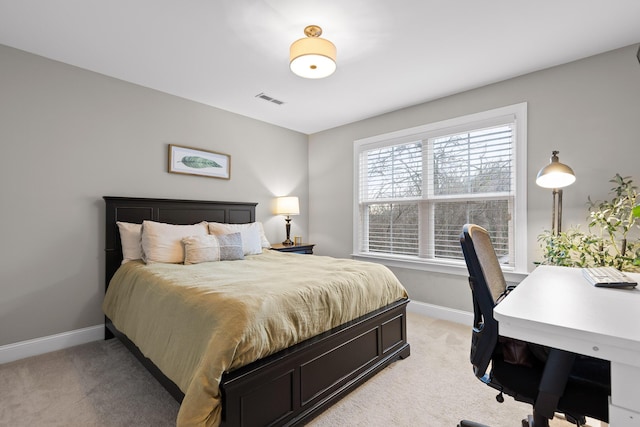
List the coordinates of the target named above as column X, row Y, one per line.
column 488, row 260
column 487, row 285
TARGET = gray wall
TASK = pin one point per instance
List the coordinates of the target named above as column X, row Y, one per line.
column 69, row 137
column 589, row 110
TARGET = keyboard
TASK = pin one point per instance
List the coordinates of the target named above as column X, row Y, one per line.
column 608, row 277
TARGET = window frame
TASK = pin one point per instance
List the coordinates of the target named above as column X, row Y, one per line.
column 516, row 114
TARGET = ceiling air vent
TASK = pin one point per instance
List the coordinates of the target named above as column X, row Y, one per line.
column 266, row 97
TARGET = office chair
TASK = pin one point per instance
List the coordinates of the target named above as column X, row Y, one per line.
column 551, row 380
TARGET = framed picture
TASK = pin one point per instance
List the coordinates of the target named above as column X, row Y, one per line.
column 193, row 161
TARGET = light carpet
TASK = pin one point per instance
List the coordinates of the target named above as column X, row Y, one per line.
column 102, row 384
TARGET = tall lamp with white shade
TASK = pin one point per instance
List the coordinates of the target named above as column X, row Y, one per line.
column 287, row 206
column 556, row 175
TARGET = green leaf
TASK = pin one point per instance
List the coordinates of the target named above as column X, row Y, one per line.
column 636, row 211
column 198, row 162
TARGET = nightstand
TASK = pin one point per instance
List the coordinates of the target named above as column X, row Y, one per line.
column 304, row 248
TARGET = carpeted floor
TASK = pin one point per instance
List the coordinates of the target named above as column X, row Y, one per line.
column 102, row 384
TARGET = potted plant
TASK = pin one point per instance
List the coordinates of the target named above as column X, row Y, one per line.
column 613, row 238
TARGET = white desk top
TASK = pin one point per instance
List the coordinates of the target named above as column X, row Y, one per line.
column 557, row 307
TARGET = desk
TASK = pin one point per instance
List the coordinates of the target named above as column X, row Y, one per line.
column 557, row 307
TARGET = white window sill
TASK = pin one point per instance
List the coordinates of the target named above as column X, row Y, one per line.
column 457, row 268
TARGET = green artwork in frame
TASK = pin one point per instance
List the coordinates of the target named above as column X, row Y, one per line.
column 194, row 161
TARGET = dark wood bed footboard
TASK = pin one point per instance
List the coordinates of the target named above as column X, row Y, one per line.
column 294, row 385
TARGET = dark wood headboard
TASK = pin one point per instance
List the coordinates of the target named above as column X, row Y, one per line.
column 136, row 210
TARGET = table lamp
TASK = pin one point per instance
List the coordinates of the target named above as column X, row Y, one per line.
column 287, row 206
column 556, row 175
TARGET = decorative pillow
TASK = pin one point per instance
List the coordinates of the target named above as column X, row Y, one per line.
column 225, row 247
column 230, row 246
column 253, row 238
column 199, row 249
column 130, row 240
column 163, row 242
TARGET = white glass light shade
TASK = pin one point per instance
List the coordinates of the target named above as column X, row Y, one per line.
column 555, row 174
column 287, row 206
column 312, row 58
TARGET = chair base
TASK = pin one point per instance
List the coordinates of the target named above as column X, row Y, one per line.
column 466, row 423
column 529, row 422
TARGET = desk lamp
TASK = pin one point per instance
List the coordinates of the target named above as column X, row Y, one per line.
column 556, row 175
column 287, row 206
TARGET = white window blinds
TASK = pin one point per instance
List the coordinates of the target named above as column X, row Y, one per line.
column 391, row 173
column 391, row 186
column 472, row 180
column 417, row 188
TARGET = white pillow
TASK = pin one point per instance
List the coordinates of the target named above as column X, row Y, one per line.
column 163, row 242
column 253, row 238
column 263, row 237
column 130, row 240
column 226, row 247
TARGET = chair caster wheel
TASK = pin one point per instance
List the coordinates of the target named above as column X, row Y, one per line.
column 500, row 398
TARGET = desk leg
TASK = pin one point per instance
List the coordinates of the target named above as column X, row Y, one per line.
column 624, row 404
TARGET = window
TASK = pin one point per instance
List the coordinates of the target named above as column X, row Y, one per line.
column 416, row 188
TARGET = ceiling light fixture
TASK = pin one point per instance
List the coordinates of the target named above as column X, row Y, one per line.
column 312, row 57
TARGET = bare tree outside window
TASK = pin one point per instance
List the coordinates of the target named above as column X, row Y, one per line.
column 393, row 228
column 394, row 173
column 418, row 188
column 472, row 164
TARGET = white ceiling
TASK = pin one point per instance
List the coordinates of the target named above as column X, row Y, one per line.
column 391, row 53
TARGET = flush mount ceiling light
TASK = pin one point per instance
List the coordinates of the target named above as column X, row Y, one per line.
column 312, row 57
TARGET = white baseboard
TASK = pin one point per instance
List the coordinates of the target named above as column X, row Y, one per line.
column 440, row 312
column 34, row 347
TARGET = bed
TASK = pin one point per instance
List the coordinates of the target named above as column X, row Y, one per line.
column 292, row 385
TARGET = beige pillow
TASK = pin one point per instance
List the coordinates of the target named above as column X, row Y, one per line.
column 199, row 249
column 210, row 248
column 163, row 242
column 130, row 240
column 253, row 238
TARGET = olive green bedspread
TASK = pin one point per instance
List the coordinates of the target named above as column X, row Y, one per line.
column 196, row 322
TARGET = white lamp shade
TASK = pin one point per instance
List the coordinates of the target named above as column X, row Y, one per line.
column 555, row 180
column 287, row 206
column 555, row 174
column 312, row 58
